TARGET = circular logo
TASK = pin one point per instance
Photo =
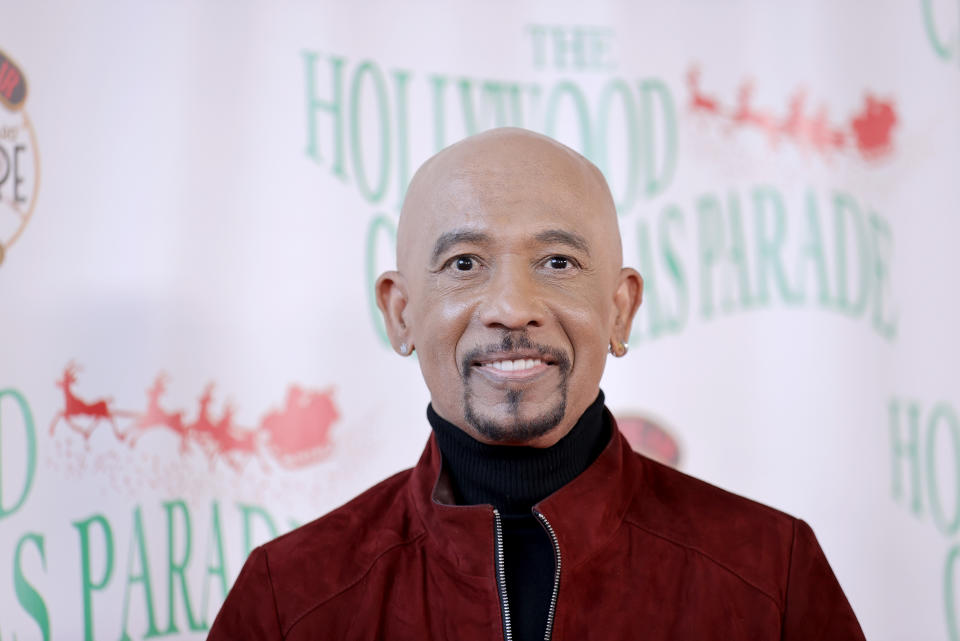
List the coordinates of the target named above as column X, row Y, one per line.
column 19, row 160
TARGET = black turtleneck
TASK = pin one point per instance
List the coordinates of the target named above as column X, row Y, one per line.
column 513, row 479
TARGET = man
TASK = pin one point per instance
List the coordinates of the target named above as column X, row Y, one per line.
column 528, row 516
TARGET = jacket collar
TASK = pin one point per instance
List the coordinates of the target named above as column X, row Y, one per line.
column 584, row 513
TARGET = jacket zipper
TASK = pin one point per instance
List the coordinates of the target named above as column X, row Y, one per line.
column 556, row 576
column 502, row 576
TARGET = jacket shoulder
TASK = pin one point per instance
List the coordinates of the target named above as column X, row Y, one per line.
column 321, row 559
column 746, row 538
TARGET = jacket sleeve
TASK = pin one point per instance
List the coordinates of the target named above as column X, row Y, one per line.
column 249, row 613
column 815, row 607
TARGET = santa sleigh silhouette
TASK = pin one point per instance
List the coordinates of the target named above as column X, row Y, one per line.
column 297, row 435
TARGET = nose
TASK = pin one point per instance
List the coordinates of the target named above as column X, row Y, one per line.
column 512, row 299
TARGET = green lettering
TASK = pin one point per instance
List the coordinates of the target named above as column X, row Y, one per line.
column 438, row 85
column 500, row 103
column 581, row 113
column 658, row 176
column 334, row 107
column 219, row 569
column 670, row 217
column 402, row 80
column 811, row 252
column 178, row 568
column 943, row 51
column 770, row 245
column 618, row 88
column 87, row 583
column 370, row 69
column 538, row 34
column 138, row 548
column 738, row 257
column 31, row 453
column 27, row 595
column 844, row 204
column 651, row 300
column 379, row 226
column 710, row 226
column 884, row 320
column 905, row 450
column 943, row 414
column 950, row 601
column 248, row 512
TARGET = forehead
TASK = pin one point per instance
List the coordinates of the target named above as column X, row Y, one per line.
column 513, row 199
column 510, row 186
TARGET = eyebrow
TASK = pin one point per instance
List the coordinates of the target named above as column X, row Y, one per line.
column 457, row 236
column 451, row 238
column 563, row 237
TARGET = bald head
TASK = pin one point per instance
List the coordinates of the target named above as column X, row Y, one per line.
column 493, row 166
column 509, row 285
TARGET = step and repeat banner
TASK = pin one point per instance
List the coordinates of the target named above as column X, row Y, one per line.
column 196, row 198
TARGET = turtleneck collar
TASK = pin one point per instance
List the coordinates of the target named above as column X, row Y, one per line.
column 515, row 478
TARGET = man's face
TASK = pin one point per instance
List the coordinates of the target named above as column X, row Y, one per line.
column 511, row 263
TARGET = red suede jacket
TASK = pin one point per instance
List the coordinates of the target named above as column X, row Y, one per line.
column 643, row 552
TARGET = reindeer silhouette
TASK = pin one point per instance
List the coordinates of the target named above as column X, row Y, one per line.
column 204, row 430
column 747, row 116
column 156, row 416
column 74, row 408
column 698, row 100
column 233, row 444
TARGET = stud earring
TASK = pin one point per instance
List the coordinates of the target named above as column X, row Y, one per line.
column 405, row 349
column 619, row 348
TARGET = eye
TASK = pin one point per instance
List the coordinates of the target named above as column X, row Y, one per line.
column 465, row 264
column 558, row 262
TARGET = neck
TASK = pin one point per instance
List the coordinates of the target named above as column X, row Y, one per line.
column 514, row 478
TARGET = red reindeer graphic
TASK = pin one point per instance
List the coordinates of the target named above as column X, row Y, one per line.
column 234, row 444
column 795, row 124
column 822, row 136
column 75, row 408
column 700, row 102
column 156, row 416
column 745, row 115
column 202, row 428
column 221, row 437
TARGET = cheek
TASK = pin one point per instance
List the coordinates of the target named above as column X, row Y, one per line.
column 588, row 325
column 440, row 323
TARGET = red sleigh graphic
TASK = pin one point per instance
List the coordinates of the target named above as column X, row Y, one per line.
column 869, row 131
column 295, row 436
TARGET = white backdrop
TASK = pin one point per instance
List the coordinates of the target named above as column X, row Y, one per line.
column 195, row 199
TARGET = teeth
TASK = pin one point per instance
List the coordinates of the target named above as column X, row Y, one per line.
column 515, row 365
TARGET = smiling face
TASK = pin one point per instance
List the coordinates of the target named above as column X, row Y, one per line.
column 509, row 285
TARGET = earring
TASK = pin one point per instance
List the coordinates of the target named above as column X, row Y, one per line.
column 619, row 349
column 405, row 349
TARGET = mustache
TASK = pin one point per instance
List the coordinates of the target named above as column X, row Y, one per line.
column 511, row 341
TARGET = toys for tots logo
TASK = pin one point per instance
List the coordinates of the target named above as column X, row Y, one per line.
column 19, row 162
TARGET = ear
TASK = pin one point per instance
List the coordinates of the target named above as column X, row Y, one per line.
column 391, row 292
column 626, row 300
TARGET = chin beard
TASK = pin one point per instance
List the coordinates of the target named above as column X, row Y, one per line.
column 515, row 428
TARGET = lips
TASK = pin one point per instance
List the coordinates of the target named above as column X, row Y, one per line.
column 513, row 366
column 515, row 359
column 517, row 365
